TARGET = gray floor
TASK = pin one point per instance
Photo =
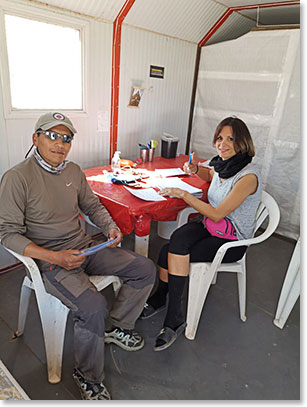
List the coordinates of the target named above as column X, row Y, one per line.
column 228, row 360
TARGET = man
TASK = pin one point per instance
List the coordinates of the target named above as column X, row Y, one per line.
column 40, row 199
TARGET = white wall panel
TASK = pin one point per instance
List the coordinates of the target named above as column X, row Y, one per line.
column 165, row 104
column 188, row 20
column 4, row 156
column 105, row 9
column 91, row 147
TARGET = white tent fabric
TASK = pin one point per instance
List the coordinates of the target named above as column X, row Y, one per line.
column 257, row 78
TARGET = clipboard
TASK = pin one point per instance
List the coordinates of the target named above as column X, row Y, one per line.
column 94, row 249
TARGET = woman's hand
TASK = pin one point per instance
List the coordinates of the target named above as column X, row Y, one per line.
column 113, row 234
column 190, row 168
column 173, row 192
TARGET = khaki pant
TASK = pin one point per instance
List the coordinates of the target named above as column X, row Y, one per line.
column 89, row 307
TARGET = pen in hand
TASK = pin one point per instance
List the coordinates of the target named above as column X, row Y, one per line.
column 190, row 158
column 189, row 165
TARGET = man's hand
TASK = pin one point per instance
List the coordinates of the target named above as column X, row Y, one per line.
column 63, row 258
column 113, row 234
column 68, row 259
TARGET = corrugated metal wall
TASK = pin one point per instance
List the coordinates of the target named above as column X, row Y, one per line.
column 188, row 20
column 165, row 104
column 104, row 9
column 233, row 27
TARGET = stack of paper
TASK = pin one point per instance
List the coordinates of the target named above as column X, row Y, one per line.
column 170, row 172
column 148, row 194
column 178, row 183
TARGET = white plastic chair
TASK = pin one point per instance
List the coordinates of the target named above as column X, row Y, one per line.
column 290, row 290
column 53, row 312
column 202, row 275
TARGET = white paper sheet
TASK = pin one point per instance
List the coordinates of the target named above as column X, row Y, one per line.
column 148, row 194
column 178, row 183
column 170, row 172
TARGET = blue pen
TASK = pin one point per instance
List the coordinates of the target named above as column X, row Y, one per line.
column 190, row 158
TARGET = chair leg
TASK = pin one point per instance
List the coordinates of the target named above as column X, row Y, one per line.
column 241, row 276
column 23, row 305
column 116, row 287
column 53, row 316
column 290, row 289
column 214, row 279
column 199, row 283
column 285, row 307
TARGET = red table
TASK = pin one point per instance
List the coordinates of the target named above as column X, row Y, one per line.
column 131, row 213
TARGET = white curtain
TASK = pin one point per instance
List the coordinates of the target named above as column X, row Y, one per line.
column 257, row 78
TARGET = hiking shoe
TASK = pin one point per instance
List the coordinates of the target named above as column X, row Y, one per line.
column 124, row 338
column 91, row 391
column 150, row 311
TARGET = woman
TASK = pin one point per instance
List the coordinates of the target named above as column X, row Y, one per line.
column 235, row 193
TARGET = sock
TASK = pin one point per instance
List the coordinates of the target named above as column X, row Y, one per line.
column 174, row 316
column 159, row 297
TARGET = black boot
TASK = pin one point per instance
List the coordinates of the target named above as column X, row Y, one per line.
column 174, row 316
column 174, row 322
column 156, row 303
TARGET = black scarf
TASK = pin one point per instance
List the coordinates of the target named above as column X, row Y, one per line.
column 229, row 168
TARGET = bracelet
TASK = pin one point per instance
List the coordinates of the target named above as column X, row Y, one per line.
column 196, row 170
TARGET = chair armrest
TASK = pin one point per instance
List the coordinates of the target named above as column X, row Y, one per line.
column 33, row 269
column 183, row 216
column 237, row 243
column 247, row 242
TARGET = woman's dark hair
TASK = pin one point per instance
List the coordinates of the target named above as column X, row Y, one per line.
column 243, row 142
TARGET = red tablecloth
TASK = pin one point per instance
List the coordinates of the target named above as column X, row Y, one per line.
column 130, row 212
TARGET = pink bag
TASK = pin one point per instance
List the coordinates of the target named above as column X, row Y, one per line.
column 223, row 229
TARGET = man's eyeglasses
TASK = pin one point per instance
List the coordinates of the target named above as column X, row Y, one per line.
column 52, row 135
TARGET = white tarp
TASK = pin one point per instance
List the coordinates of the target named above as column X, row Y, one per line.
column 257, row 78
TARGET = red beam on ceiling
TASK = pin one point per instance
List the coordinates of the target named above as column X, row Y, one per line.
column 117, row 26
column 230, row 10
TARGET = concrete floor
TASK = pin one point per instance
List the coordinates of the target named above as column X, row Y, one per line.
column 228, row 360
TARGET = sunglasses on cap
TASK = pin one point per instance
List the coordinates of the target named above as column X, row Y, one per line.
column 52, row 135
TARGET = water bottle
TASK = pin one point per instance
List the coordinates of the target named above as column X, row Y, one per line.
column 115, row 163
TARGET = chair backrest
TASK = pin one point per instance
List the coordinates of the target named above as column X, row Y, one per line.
column 267, row 208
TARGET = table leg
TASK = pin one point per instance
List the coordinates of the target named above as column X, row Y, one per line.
column 141, row 245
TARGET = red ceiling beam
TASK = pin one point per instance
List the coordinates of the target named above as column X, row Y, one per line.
column 230, row 10
column 117, row 27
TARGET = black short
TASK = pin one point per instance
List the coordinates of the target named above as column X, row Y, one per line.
column 193, row 239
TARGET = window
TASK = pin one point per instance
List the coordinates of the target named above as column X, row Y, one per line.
column 45, row 65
